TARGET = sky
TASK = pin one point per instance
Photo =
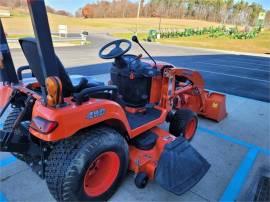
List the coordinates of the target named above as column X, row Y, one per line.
column 72, row 5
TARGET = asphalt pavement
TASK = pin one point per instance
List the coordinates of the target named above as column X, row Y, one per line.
column 241, row 75
column 237, row 74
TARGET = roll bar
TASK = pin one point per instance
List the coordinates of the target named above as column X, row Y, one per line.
column 7, row 73
column 40, row 23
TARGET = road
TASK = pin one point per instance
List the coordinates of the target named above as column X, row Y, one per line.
column 241, row 75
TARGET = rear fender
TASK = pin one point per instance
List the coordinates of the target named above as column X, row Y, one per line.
column 5, row 93
column 72, row 118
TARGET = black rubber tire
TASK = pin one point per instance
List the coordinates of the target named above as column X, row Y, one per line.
column 180, row 120
column 141, row 180
column 70, row 158
column 11, row 118
column 8, row 124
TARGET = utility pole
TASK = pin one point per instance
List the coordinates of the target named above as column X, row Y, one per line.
column 168, row 8
column 138, row 15
column 159, row 25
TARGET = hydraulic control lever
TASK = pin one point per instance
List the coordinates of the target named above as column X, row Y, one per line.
column 136, row 40
column 136, row 58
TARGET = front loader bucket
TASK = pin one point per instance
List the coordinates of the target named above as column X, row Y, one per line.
column 215, row 106
column 180, row 167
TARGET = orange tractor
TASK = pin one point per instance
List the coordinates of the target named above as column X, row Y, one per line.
column 82, row 136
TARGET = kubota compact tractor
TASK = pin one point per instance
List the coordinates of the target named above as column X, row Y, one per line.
column 82, row 136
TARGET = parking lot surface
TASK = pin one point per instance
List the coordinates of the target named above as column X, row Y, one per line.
column 238, row 148
column 236, row 74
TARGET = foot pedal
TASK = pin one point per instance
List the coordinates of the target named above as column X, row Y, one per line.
column 145, row 141
column 180, row 167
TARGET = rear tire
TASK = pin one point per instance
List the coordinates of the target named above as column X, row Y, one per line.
column 184, row 123
column 75, row 165
column 8, row 125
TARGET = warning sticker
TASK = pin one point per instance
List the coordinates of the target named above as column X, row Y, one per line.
column 215, row 105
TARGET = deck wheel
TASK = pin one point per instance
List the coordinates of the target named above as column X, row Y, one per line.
column 141, row 180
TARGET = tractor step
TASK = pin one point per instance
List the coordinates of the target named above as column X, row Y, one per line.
column 142, row 118
column 180, row 167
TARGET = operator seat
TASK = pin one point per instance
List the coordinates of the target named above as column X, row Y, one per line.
column 29, row 47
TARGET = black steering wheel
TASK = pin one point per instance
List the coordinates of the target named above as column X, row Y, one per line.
column 117, row 51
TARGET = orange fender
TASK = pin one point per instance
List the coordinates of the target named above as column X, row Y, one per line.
column 5, row 93
column 73, row 118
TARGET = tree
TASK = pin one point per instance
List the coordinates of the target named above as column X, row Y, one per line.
column 88, row 11
column 223, row 11
column 267, row 20
column 78, row 13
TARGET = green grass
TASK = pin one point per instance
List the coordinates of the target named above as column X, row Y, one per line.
column 260, row 44
column 18, row 13
column 19, row 25
column 78, row 42
column 141, row 36
column 18, row 36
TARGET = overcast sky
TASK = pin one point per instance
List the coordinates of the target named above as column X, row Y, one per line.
column 72, row 6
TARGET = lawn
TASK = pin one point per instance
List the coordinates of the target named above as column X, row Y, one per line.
column 20, row 25
column 260, row 44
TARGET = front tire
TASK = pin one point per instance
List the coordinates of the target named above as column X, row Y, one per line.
column 88, row 166
column 184, row 123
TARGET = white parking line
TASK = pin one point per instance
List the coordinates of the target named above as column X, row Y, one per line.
column 231, row 75
column 232, row 66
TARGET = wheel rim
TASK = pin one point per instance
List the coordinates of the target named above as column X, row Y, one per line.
column 190, row 129
column 101, row 174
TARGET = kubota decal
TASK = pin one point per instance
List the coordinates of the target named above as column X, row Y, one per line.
column 96, row 113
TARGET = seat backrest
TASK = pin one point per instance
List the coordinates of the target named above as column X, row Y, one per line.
column 29, row 47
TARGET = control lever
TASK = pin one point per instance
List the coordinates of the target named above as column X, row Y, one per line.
column 136, row 58
column 136, row 40
column 132, row 75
